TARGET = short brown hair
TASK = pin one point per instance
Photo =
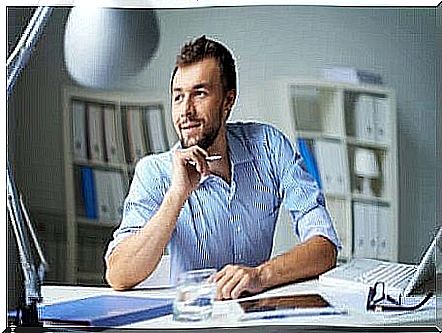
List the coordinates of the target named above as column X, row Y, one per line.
column 204, row 48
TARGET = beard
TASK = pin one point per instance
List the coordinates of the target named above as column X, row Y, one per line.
column 207, row 138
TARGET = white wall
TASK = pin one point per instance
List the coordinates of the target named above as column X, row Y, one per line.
column 268, row 42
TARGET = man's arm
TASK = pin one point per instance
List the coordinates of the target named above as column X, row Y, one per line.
column 137, row 256
column 302, row 197
column 308, row 259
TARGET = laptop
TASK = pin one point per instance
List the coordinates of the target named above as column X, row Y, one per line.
column 399, row 279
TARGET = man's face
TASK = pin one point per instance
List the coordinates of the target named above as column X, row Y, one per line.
column 198, row 103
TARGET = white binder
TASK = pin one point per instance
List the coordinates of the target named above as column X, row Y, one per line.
column 118, row 192
column 103, row 191
column 137, row 146
column 364, row 118
column 330, row 157
column 113, row 135
column 371, row 224
column 366, row 230
column 95, row 130
column 381, row 119
column 79, row 130
column 384, row 225
column 155, row 130
column 360, row 236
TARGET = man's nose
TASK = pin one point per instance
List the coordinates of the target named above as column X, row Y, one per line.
column 188, row 108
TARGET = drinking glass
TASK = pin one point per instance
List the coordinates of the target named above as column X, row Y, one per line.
column 195, row 294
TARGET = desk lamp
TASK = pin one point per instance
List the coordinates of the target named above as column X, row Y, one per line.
column 102, row 46
column 366, row 167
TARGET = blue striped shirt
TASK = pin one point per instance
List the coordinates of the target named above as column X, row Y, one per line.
column 234, row 223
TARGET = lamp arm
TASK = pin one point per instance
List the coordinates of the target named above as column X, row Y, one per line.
column 27, row 313
column 32, row 278
column 22, row 52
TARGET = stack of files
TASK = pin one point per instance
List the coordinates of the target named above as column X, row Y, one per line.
column 351, row 75
column 105, row 311
column 155, row 129
column 330, row 157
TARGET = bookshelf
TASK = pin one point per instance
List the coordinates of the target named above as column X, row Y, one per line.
column 105, row 134
column 350, row 130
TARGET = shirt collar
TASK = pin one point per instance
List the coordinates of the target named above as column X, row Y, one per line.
column 237, row 150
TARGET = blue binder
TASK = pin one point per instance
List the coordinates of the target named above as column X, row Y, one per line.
column 105, row 311
column 88, row 192
column 309, row 160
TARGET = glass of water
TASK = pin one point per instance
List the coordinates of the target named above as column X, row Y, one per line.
column 195, row 294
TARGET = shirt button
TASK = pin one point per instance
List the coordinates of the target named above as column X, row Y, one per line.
column 238, row 228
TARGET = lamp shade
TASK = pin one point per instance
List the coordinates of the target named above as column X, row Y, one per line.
column 105, row 47
column 365, row 163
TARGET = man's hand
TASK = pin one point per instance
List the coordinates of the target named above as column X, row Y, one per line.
column 233, row 280
column 186, row 176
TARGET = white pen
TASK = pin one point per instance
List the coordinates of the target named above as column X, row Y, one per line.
column 208, row 159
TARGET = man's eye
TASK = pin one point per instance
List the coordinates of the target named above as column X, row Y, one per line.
column 200, row 93
column 178, row 98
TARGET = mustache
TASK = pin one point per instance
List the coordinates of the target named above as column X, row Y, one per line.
column 189, row 123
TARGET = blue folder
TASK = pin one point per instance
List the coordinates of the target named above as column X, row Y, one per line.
column 88, row 192
column 309, row 160
column 105, row 311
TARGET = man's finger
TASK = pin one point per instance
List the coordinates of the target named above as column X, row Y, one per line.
column 230, row 284
column 241, row 286
column 222, row 272
column 221, row 282
column 197, row 159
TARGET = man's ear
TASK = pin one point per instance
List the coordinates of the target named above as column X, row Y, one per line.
column 229, row 100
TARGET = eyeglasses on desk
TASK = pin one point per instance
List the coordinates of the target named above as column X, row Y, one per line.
column 378, row 300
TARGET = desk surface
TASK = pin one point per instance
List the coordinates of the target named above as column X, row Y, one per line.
column 227, row 313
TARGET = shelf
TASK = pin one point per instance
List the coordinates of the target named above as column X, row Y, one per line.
column 96, row 223
column 326, row 84
column 315, row 135
column 105, row 134
column 336, row 196
column 370, row 198
column 341, row 122
column 102, row 165
column 367, row 144
column 90, row 276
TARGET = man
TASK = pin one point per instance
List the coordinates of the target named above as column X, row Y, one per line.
column 219, row 213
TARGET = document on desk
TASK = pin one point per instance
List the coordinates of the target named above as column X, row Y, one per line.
column 105, row 311
column 277, row 307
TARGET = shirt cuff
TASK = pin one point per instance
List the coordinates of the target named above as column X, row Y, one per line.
column 317, row 222
column 118, row 237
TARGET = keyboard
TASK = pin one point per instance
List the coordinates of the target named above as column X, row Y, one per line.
column 393, row 275
column 364, row 273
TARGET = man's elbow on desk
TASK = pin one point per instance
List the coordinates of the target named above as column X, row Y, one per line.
column 120, row 278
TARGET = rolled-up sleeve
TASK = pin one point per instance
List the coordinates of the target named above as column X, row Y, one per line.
column 142, row 202
column 301, row 195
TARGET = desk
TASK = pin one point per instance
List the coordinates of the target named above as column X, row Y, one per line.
column 227, row 313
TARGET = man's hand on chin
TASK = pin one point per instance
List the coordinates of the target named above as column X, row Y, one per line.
column 233, row 280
